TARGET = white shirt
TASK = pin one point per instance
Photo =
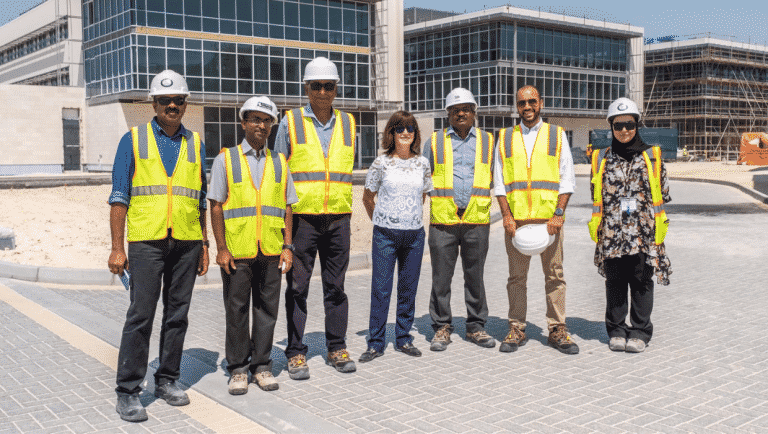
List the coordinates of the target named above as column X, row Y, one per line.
column 567, row 173
column 400, row 186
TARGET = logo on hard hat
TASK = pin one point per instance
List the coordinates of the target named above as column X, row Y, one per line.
column 166, row 82
column 264, row 105
column 622, row 107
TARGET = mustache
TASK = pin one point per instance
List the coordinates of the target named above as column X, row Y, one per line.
column 170, row 110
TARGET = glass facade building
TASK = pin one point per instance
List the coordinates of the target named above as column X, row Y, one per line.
column 228, row 51
column 578, row 69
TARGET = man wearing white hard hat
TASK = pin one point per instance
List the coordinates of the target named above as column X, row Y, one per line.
column 461, row 157
column 251, row 196
column 319, row 143
column 533, row 180
column 159, row 189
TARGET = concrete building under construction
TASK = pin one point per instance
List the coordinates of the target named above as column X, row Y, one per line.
column 711, row 90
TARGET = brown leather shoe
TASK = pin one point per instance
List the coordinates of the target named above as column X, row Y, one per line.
column 560, row 339
column 341, row 361
column 298, row 368
column 515, row 338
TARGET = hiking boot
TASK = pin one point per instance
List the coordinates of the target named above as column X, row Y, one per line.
column 172, row 394
column 129, row 407
column 635, row 345
column 515, row 338
column 369, row 355
column 560, row 339
column 617, row 343
column 265, row 381
column 341, row 361
column 238, row 384
column 441, row 339
column 481, row 338
column 298, row 368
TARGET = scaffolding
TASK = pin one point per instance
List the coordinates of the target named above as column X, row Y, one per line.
column 711, row 92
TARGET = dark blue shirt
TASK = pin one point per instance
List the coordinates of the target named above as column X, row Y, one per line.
column 125, row 166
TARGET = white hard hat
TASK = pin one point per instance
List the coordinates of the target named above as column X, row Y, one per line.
column 321, row 69
column 532, row 239
column 623, row 106
column 459, row 96
column 168, row 82
column 259, row 104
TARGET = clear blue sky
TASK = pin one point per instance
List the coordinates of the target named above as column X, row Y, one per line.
column 746, row 21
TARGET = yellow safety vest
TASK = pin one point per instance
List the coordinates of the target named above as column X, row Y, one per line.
column 654, row 177
column 532, row 191
column 443, row 209
column 160, row 202
column 254, row 217
column 323, row 185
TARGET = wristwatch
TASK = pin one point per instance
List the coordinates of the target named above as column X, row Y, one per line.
column 289, row 247
column 559, row 212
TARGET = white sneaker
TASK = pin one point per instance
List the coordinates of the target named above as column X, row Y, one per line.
column 265, row 381
column 617, row 344
column 635, row 345
column 238, row 384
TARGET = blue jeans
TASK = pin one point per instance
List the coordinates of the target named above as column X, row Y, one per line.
column 406, row 247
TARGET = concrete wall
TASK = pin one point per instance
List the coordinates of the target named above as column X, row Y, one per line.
column 109, row 122
column 31, row 127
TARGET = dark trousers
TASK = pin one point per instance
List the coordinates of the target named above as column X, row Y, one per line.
column 255, row 284
column 629, row 271
column 173, row 264
column 406, row 247
column 328, row 236
column 446, row 242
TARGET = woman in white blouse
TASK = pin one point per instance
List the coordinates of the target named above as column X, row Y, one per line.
column 395, row 188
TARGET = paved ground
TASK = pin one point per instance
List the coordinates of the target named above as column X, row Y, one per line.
column 704, row 372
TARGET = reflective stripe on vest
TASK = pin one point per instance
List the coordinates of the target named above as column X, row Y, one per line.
column 323, row 184
column 254, row 218
column 443, row 209
column 661, row 222
column 159, row 202
column 532, row 192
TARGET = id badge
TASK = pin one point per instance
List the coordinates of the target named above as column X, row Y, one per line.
column 628, row 205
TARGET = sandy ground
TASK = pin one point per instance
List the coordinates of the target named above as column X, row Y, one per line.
column 69, row 226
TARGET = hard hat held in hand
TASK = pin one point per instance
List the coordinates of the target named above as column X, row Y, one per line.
column 459, row 96
column 168, row 82
column 321, row 69
column 532, row 239
column 259, row 104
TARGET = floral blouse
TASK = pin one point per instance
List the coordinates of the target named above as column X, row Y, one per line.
column 629, row 233
column 400, row 186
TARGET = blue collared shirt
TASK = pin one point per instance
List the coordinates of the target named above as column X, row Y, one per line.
column 125, row 165
column 463, row 164
column 324, row 133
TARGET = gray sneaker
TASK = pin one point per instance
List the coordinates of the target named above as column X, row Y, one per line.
column 635, row 345
column 482, row 338
column 441, row 339
column 129, row 408
column 617, row 343
column 238, row 384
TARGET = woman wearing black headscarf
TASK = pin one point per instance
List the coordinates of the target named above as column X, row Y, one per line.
column 629, row 190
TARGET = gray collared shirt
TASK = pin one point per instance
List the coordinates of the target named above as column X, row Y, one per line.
column 463, row 164
column 324, row 133
column 219, row 188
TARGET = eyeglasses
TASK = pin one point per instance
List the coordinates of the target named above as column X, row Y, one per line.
column 532, row 102
column 454, row 110
column 166, row 100
column 316, row 86
column 257, row 121
column 400, row 130
column 629, row 126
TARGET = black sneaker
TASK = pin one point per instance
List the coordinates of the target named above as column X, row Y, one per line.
column 172, row 394
column 409, row 349
column 369, row 355
column 129, row 407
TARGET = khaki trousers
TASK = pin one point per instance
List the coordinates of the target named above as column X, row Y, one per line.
column 554, row 283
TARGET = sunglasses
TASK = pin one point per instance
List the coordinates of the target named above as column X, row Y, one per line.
column 166, row 100
column 532, row 102
column 400, row 130
column 316, row 86
column 629, row 126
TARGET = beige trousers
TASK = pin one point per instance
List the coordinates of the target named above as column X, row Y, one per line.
column 554, row 283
